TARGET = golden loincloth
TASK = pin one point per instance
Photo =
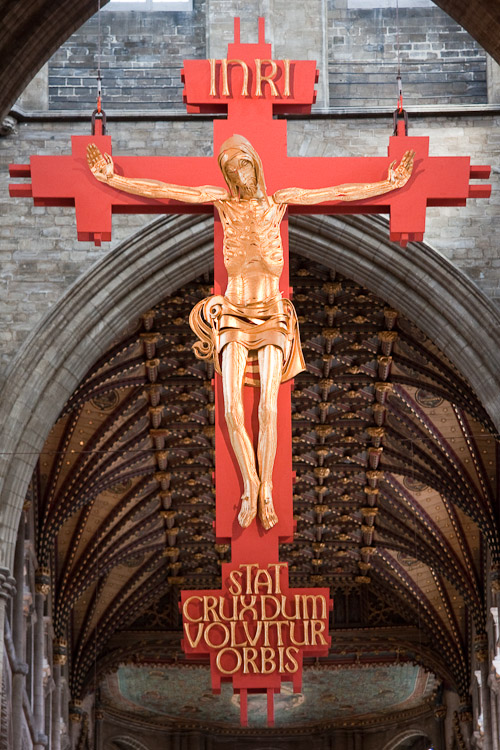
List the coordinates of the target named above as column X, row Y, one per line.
column 216, row 322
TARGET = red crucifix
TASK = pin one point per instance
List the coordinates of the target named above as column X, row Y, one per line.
column 256, row 629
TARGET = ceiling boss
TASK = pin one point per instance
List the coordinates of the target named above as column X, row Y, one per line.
column 251, row 321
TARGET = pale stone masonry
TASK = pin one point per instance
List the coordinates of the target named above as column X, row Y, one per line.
column 40, row 256
column 440, row 62
column 356, row 51
column 141, row 61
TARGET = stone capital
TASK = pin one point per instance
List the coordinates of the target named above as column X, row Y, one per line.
column 7, row 584
column 20, row 667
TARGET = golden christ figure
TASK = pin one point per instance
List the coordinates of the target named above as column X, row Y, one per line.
column 251, row 323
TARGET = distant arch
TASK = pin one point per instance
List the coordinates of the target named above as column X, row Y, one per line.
column 125, row 743
column 406, row 741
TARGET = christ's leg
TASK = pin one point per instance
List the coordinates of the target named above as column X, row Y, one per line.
column 234, row 358
column 270, row 371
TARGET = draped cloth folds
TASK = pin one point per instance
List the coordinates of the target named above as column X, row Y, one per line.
column 216, row 321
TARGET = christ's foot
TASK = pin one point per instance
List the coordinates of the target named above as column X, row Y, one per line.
column 248, row 509
column 267, row 514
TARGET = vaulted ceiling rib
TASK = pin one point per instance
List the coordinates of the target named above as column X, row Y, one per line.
column 395, row 483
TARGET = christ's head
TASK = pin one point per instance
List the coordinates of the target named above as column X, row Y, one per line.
column 242, row 168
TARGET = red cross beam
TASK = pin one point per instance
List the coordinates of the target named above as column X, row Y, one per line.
column 251, row 87
column 67, row 181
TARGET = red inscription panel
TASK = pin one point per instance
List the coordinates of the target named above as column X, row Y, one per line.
column 256, row 630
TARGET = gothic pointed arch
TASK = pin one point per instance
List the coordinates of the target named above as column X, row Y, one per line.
column 169, row 252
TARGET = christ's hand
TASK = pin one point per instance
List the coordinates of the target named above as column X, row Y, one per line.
column 400, row 176
column 100, row 165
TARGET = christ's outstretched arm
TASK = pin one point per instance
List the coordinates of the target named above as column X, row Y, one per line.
column 102, row 168
column 396, row 178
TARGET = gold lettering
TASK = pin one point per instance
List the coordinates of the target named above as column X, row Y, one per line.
column 249, row 656
column 266, row 634
column 248, row 607
column 232, row 626
column 279, row 630
column 305, row 626
column 248, row 576
column 317, row 629
column 259, row 77
column 258, row 631
column 193, row 642
column 210, row 608
column 277, row 571
column 222, row 616
column 225, row 630
column 313, row 598
column 294, row 661
column 263, row 606
column 267, row 583
column 225, row 84
column 281, row 652
column 235, row 579
column 185, row 612
column 286, row 90
column 267, row 656
column 296, row 616
column 218, row 660
column 278, row 625
column 213, row 90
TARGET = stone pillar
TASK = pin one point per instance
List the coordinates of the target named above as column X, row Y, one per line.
column 42, row 587
column 451, row 702
column 7, row 589
column 495, row 729
column 492, row 80
column 98, row 727
column 56, row 709
column 76, row 718
column 464, row 716
column 440, row 712
column 36, row 94
column 20, row 669
column 59, row 656
column 481, row 652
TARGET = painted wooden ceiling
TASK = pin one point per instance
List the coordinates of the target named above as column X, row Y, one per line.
column 396, row 475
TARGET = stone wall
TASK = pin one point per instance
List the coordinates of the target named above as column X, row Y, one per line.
column 440, row 62
column 40, row 257
column 356, row 51
column 141, row 59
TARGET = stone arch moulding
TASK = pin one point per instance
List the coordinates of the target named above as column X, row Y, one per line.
column 172, row 251
column 402, row 736
column 125, row 743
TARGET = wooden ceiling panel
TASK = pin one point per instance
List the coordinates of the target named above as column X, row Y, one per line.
column 395, row 462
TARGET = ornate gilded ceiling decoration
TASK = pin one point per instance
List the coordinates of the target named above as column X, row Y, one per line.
column 395, row 467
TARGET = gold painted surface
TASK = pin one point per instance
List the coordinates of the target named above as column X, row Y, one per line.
column 251, row 316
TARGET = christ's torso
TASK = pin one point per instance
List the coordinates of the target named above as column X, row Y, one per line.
column 253, row 253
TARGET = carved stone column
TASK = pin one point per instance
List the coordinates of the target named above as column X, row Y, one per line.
column 464, row 716
column 56, row 710
column 59, row 651
column 481, row 651
column 76, row 719
column 42, row 587
column 495, row 729
column 7, row 589
column 20, row 669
